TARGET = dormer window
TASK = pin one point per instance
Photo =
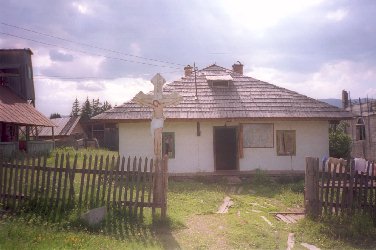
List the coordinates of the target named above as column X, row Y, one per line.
column 219, row 81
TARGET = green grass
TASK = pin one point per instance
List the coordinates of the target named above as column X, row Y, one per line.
column 194, row 224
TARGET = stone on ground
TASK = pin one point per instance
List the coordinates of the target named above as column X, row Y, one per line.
column 94, row 216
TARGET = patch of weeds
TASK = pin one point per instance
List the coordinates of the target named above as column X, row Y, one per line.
column 338, row 232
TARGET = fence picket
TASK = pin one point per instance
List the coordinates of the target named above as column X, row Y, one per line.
column 121, row 170
column 26, row 180
column 110, row 181
column 71, row 182
column 4, row 166
column 131, row 183
column 86, row 200
column 144, row 182
column 99, row 179
column 137, row 186
column 116, row 181
column 105, row 181
column 82, row 181
column 16, row 170
column 127, row 179
column 94, row 176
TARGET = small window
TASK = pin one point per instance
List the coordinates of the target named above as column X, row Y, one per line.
column 286, row 142
column 360, row 130
column 168, row 144
column 220, row 84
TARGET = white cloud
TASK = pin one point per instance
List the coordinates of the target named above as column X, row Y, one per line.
column 337, row 15
column 81, row 7
column 327, row 82
column 259, row 15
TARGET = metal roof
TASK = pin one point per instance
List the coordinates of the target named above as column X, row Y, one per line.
column 244, row 98
column 14, row 109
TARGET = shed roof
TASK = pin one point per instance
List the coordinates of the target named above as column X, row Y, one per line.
column 245, row 97
column 14, row 109
column 65, row 126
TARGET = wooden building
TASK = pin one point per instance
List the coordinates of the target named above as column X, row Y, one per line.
column 362, row 126
column 18, row 116
column 69, row 132
column 229, row 122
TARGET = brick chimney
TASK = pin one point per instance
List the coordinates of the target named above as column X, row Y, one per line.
column 345, row 99
column 188, row 70
column 238, row 67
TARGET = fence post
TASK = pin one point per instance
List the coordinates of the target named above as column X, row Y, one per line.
column 311, row 203
column 164, row 170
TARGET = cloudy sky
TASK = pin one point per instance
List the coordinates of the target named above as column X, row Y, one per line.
column 110, row 49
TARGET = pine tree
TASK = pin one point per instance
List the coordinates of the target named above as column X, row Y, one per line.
column 86, row 110
column 75, row 108
column 96, row 107
column 106, row 106
column 55, row 115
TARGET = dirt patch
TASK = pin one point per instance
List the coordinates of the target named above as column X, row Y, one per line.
column 204, row 231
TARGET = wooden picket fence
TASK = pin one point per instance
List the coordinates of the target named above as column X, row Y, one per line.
column 119, row 183
column 337, row 188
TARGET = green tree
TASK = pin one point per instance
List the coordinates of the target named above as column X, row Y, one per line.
column 86, row 110
column 106, row 106
column 339, row 141
column 75, row 108
column 96, row 107
column 55, row 115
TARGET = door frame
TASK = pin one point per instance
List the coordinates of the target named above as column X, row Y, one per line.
column 236, row 128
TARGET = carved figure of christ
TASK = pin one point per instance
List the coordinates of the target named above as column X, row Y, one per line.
column 157, row 101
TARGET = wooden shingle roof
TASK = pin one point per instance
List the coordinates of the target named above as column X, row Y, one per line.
column 14, row 109
column 65, row 126
column 245, row 97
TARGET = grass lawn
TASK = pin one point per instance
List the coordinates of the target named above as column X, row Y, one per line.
column 194, row 224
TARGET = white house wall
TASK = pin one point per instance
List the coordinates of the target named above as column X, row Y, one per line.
column 195, row 153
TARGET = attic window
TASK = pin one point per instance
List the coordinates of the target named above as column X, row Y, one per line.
column 219, row 81
column 360, row 130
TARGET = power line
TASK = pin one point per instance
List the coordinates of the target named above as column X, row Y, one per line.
column 89, row 53
column 89, row 45
column 88, row 77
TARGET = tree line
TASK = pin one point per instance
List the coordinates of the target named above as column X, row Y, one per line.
column 89, row 108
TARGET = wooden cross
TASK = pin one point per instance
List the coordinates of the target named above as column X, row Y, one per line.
column 157, row 101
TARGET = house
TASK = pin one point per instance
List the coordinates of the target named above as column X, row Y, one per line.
column 18, row 116
column 67, row 133
column 229, row 121
column 362, row 126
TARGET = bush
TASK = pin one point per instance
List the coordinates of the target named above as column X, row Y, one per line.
column 339, row 142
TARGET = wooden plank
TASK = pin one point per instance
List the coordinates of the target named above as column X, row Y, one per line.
column 21, row 181
column 26, row 182
column 356, row 191
column 144, row 182
column 312, row 206
column 127, row 179
column 105, row 180
column 328, row 178
column 55, row 171
column 2, row 177
column 282, row 218
column 365, row 187
column 121, row 169
column 66, row 170
column 351, row 187
column 138, row 177
column 226, row 204
column 92, row 190
column 290, row 218
column 80, row 195
column 16, row 168
column 110, row 181
column 151, row 188
column 332, row 190
column 88, row 174
column 99, row 181
column 5, row 183
column 60, row 177
column 72, row 175
column 47, row 191
column 116, row 180
column 165, row 186
column 44, row 170
column 35, row 176
column 322, row 178
column 132, row 183
column 338, row 191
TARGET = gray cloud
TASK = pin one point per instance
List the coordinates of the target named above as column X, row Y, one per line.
column 56, row 55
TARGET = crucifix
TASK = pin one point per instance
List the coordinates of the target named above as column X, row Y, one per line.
column 157, row 101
